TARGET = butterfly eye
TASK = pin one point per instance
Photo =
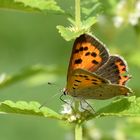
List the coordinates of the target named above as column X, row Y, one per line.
column 64, row 91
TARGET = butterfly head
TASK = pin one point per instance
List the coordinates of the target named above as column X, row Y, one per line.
column 65, row 92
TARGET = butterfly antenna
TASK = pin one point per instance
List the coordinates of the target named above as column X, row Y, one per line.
column 49, row 83
column 47, row 100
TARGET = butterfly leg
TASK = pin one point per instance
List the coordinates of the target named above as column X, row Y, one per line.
column 63, row 99
column 88, row 105
column 68, row 103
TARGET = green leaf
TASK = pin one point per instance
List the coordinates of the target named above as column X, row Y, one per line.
column 90, row 7
column 31, row 5
column 69, row 33
column 129, row 106
column 31, row 108
column 89, row 22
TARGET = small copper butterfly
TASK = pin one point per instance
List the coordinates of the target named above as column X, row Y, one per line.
column 93, row 73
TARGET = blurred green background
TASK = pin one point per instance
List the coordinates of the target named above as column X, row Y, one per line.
column 28, row 39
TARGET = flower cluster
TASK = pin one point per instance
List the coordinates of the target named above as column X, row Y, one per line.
column 75, row 113
column 127, row 12
column 68, row 111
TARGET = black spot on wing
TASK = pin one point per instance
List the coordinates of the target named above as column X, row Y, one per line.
column 123, row 83
column 95, row 62
column 117, row 71
column 85, row 48
column 119, row 77
column 78, row 61
column 122, row 64
column 93, row 80
column 93, row 54
column 75, row 84
column 76, row 51
column 77, row 81
column 87, row 79
column 124, row 69
column 87, row 53
column 94, row 83
column 81, row 48
column 103, row 81
column 85, row 76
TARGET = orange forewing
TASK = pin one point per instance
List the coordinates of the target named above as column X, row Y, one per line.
column 88, row 54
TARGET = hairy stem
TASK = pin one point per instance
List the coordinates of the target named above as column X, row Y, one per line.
column 78, row 132
column 77, row 14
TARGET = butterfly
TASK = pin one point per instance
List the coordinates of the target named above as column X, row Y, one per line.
column 95, row 74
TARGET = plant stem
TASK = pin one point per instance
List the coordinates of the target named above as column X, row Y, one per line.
column 78, row 127
column 78, row 132
column 77, row 14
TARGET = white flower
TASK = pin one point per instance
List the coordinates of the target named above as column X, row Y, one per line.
column 66, row 109
column 138, row 6
column 72, row 118
column 133, row 19
column 125, row 14
column 121, row 5
column 118, row 21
